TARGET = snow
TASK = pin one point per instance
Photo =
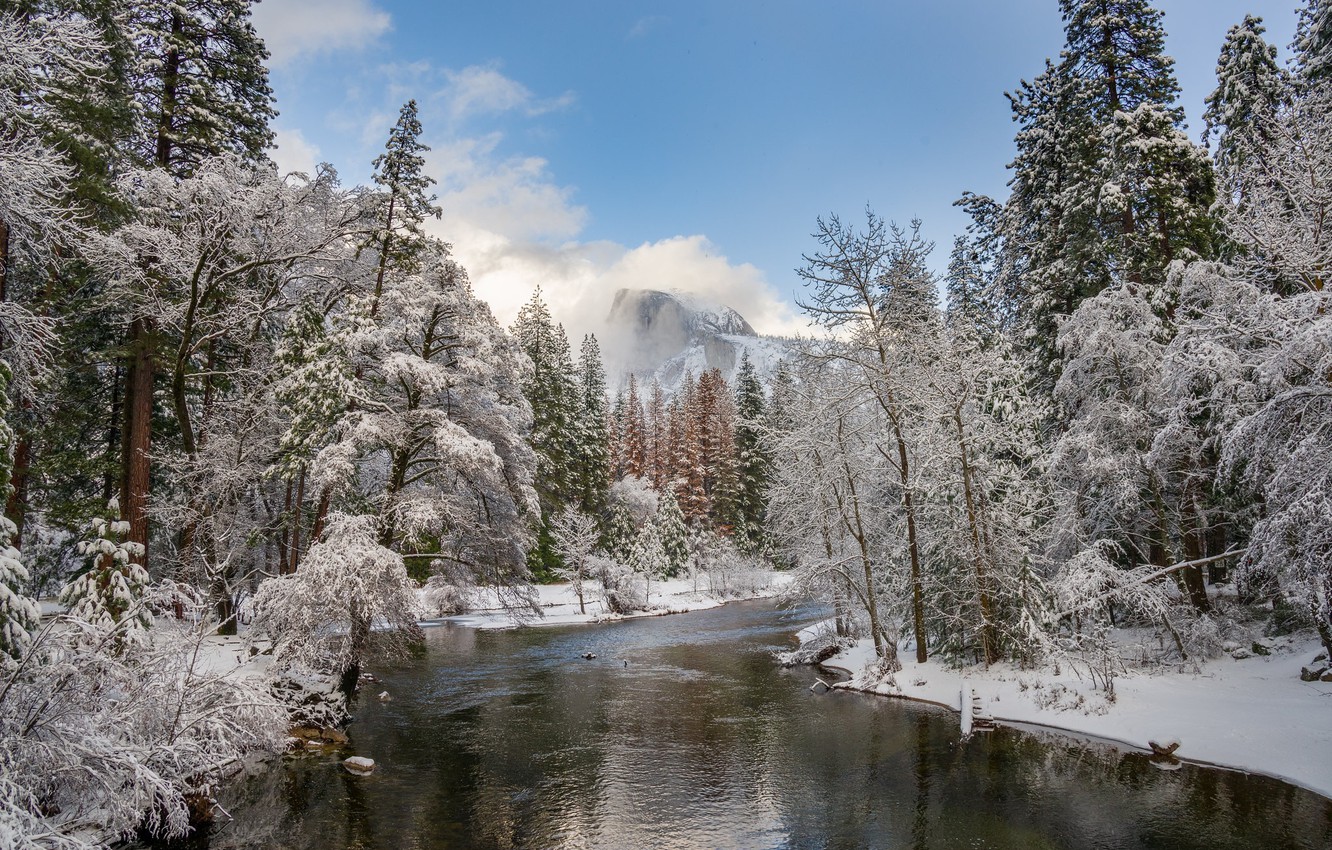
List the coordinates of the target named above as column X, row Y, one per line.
column 1253, row 714
column 559, row 604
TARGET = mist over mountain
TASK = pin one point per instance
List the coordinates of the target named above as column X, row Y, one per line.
column 665, row 335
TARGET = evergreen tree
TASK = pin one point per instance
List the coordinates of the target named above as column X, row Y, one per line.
column 633, row 431
column 200, row 89
column 648, row 558
column 551, row 389
column 1313, row 42
column 1105, row 186
column 402, row 207
column 658, row 436
column 753, row 460
column 18, row 612
column 674, row 536
column 592, row 456
column 1165, row 184
column 1243, row 109
column 108, row 595
column 199, row 83
column 617, row 538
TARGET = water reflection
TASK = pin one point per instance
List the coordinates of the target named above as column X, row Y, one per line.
column 512, row 740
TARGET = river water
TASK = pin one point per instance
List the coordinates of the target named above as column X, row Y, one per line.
column 684, row 733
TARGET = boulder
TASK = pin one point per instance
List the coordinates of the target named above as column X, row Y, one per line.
column 359, row 765
column 1313, row 672
column 334, row 736
column 1260, row 648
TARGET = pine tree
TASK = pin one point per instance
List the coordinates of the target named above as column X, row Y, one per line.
column 617, row 537
column 1165, row 184
column 1243, row 109
column 199, row 82
column 1313, row 43
column 403, row 206
column 551, row 389
column 753, row 460
column 200, row 89
column 658, row 436
column 109, row 594
column 633, row 439
column 673, row 534
column 648, row 558
column 593, row 455
column 1105, row 186
column 18, row 612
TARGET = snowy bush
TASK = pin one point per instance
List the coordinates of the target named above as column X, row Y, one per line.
column 622, row 590
column 110, row 740
column 320, row 617
column 446, row 595
column 636, row 495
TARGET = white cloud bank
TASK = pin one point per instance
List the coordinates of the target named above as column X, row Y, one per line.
column 297, row 28
column 516, row 228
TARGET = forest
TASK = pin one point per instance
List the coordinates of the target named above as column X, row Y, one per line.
column 239, row 400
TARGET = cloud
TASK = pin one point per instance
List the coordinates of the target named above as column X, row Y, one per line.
column 293, row 152
column 511, row 196
column 297, row 28
column 482, row 89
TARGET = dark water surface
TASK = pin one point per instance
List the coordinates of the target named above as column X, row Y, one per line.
column 511, row 739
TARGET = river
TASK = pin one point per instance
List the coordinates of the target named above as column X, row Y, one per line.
column 684, row 733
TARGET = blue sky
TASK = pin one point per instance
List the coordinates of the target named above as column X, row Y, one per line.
column 590, row 145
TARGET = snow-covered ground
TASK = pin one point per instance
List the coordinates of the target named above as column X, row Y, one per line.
column 559, row 603
column 1252, row 714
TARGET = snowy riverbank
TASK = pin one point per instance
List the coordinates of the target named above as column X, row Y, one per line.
column 559, row 604
column 1252, row 714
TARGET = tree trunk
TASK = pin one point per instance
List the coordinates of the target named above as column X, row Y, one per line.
column 109, row 488
column 913, row 547
column 16, row 506
column 137, row 443
column 989, row 643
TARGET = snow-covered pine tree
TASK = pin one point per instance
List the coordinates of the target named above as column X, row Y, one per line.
column 108, row 595
column 199, row 81
column 1313, row 43
column 648, row 558
column 18, row 612
column 633, row 439
column 552, row 391
column 1086, row 208
column 658, row 436
column 399, row 211
column 617, row 537
column 673, row 534
column 1242, row 111
column 753, row 461
column 1162, row 183
column 593, row 449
